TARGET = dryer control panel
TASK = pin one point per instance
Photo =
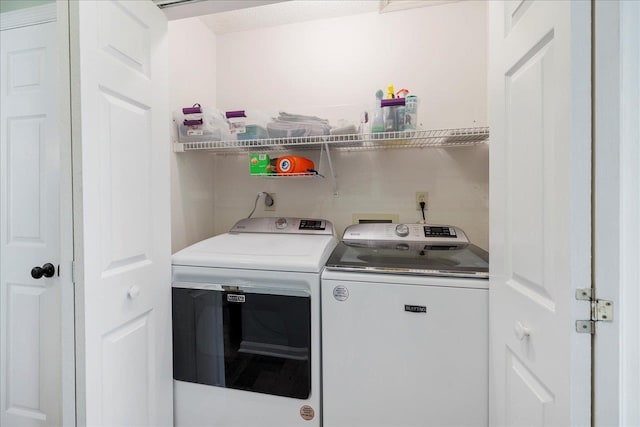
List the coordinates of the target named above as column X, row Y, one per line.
column 284, row 225
column 440, row 231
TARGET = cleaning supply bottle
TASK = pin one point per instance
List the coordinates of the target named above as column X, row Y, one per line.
column 400, row 110
column 389, row 111
column 411, row 113
column 378, row 121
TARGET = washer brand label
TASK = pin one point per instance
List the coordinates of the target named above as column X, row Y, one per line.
column 415, row 308
column 235, row 298
column 341, row 293
column 307, row 412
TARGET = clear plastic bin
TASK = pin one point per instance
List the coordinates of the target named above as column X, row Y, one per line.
column 247, row 124
column 208, row 125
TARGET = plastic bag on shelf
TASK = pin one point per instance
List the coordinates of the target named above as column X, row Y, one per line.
column 288, row 125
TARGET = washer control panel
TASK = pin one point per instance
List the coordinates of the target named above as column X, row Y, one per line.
column 428, row 234
column 283, row 225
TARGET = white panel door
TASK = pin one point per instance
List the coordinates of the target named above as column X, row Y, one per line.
column 540, row 109
column 121, row 200
column 30, row 338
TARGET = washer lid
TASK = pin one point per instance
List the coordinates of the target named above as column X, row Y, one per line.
column 411, row 258
column 260, row 251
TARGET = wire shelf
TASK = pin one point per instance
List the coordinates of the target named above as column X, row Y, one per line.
column 287, row 175
column 403, row 139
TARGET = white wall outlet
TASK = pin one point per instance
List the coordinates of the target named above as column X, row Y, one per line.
column 272, row 198
column 421, row 196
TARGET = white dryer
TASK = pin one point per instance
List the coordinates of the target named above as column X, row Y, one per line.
column 246, row 324
column 405, row 328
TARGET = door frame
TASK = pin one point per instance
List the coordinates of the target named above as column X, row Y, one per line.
column 67, row 276
column 58, row 12
column 616, row 211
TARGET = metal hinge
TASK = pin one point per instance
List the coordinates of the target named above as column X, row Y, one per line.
column 73, row 272
column 601, row 311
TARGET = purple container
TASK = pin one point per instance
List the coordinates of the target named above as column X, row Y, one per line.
column 392, row 102
column 235, row 114
column 192, row 110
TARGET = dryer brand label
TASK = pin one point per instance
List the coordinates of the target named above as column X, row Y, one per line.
column 415, row 308
column 307, row 413
column 341, row 293
column 235, row 298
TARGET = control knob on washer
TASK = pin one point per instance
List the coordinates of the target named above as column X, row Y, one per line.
column 281, row 223
column 402, row 230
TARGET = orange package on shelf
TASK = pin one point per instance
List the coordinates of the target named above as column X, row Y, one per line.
column 294, row 164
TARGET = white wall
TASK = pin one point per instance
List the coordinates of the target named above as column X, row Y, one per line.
column 438, row 53
column 333, row 68
column 192, row 73
column 368, row 182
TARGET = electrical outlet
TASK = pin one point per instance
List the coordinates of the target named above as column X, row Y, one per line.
column 272, row 207
column 421, row 196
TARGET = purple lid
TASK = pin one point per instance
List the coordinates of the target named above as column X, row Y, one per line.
column 192, row 122
column 233, row 114
column 392, row 102
column 192, row 110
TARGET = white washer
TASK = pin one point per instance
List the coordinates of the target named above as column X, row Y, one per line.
column 246, row 324
column 405, row 328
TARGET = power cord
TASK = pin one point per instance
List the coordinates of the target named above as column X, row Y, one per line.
column 422, row 205
column 255, row 204
column 268, row 200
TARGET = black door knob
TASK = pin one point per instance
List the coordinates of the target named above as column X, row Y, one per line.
column 47, row 270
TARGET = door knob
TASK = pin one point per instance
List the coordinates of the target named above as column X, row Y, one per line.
column 521, row 331
column 133, row 291
column 47, row 270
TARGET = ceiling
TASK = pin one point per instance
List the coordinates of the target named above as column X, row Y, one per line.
column 226, row 16
column 285, row 13
column 180, row 9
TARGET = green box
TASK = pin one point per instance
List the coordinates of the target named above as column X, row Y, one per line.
column 259, row 164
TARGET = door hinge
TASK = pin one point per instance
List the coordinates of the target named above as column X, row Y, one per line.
column 73, row 272
column 601, row 311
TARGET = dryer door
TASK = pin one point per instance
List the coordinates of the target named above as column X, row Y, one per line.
column 249, row 338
